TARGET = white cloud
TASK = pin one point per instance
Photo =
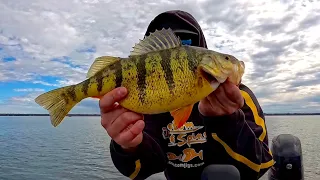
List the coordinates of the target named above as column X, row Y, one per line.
column 26, row 104
column 45, row 83
column 278, row 40
column 29, row 90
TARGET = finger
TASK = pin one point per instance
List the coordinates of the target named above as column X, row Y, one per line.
column 234, row 94
column 230, row 91
column 208, row 108
column 127, row 136
column 122, row 122
column 107, row 102
column 136, row 141
column 218, row 98
column 107, row 119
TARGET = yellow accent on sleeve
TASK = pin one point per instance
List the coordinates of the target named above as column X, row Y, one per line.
column 241, row 158
column 259, row 121
column 137, row 170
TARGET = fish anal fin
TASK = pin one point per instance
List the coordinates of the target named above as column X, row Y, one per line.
column 158, row 40
column 181, row 115
column 100, row 63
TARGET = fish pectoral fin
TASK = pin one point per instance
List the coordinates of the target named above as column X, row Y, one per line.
column 158, row 40
column 181, row 115
column 99, row 63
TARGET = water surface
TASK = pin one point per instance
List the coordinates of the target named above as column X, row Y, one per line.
column 30, row 148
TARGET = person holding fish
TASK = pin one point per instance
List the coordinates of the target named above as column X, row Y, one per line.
column 230, row 120
column 172, row 106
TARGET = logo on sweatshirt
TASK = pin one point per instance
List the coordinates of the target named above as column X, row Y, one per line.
column 185, row 135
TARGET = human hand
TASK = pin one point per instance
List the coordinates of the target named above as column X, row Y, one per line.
column 123, row 126
column 223, row 101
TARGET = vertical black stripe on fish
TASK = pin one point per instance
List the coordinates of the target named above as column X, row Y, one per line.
column 118, row 73
column 71, row 93
column 99, row 80
column 85, row 87
column 166, row 66
column 180, row 61
column 65, row 98
column 191, row 55
column 142, row 72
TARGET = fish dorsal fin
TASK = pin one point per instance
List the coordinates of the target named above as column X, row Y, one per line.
column 99, row 63
column 159, row 40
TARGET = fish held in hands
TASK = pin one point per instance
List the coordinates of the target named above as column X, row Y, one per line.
column 161, row 75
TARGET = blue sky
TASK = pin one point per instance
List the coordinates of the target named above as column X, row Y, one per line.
column 49, row 44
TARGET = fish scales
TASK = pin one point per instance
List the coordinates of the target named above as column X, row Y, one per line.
column 184, row 75
column 142, row 75
column 159, row 78
column 156, row 87
column 166, row 64
column 99, row 80
column 71, row 93
column 102, row 82
column 165, row 80
column 110, row 77
column 133, row 72
column 188, row 79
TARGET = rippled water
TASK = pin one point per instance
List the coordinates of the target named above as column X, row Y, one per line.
column 30, row 148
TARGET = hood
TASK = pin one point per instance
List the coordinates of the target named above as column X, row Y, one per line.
column 181, row 23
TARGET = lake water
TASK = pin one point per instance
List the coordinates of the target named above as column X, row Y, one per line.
column 30, row 148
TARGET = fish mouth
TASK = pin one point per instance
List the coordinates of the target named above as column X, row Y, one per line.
column 210, row 78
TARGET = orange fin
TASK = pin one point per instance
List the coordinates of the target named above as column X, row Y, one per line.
column 181, row 115
column 97, row 97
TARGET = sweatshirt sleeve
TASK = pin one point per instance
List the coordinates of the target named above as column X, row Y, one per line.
column 240, row 138
column 146, row 160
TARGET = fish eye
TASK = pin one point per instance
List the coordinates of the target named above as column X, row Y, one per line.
column 227, row 58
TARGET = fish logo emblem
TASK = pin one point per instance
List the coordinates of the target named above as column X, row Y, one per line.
column 171, row 156
column 190, row 153
column 187, row 155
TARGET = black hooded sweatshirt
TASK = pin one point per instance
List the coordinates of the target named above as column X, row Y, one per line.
column 239, row 139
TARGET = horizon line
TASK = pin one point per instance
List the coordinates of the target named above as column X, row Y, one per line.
column 93, row 114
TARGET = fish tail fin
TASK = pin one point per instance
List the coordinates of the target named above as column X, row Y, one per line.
column 201, row 154
column 58, row 102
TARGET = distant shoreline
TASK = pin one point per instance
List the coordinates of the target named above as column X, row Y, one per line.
column 266, row 114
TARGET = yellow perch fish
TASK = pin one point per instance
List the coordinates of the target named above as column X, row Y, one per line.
column 161, row 75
